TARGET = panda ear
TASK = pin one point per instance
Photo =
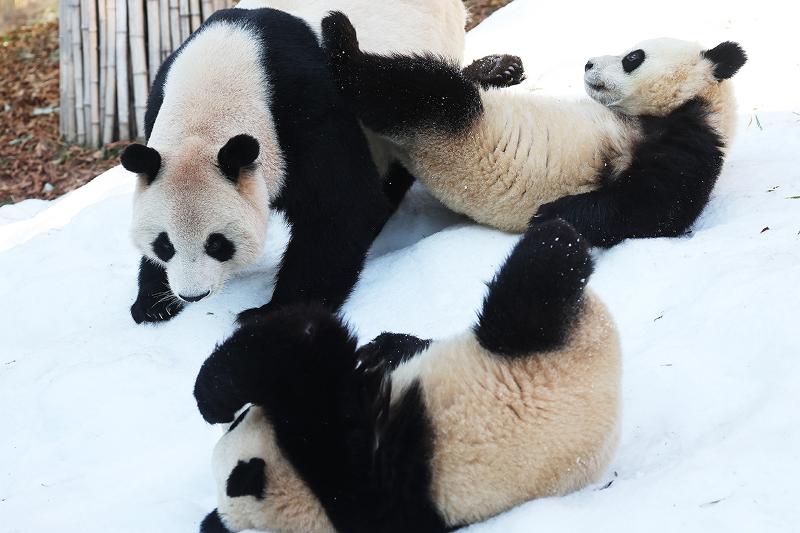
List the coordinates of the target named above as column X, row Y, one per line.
column 239, row 152
column 141, row 160
column 728, row 58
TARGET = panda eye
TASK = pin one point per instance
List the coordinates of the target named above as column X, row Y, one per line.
column 219, row 247
column 632, row 61
column 163, row 248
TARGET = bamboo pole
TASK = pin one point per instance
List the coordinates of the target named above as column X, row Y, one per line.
column 153, row 39
column 102, row 24
column 77, row 62
column 164, row 23
column 207, row 8
column 175, row 23
column 218, row 4
column 94, row 75
column 66, row 87
column 138, row 62
column 122, row 71
column 111, row 81
column 186, row 27
column 194, row 11
column 87, row 68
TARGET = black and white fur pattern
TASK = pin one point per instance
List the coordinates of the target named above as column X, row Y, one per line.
column 244, row 119
column 406, row 434
column 638, row 161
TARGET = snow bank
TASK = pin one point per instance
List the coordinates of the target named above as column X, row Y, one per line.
column 100, row 431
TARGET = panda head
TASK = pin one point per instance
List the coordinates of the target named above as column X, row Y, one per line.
column 257, row 487
column 199, row 211
column 655, row 77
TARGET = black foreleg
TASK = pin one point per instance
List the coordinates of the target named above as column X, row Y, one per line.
column 155, row 301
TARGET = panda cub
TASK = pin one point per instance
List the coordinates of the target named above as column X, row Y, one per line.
column 406, row 434
column 244, row 119
column 638, row 160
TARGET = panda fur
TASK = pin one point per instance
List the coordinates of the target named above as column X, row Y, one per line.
column 406, row 434
column 639, row 160
column 243, row 118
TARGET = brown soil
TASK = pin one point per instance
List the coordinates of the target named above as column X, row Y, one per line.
column 480, row 9
column 34, row 162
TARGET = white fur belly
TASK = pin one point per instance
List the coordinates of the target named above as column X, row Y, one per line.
column 525, row 151
column 508, row 432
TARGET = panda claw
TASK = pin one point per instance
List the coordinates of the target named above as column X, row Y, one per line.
column 150, row 309
column 496, row 71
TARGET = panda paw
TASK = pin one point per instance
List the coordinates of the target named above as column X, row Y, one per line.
column 158, row 307
column 496, row 71
column 251, row 315
column 339, row 36
column 215, row 397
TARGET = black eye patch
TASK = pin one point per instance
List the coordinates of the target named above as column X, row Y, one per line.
column 632, row 61
column 163, row 248
column 219, row 247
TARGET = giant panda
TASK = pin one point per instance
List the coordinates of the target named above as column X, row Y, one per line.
column 637, row 160
column 406, row 434
column 244, row 119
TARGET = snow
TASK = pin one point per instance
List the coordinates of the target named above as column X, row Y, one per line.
column 100, row 428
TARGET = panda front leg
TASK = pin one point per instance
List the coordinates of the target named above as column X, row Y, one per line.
column 644, row 207
column 299, row 364
column 399, row 95
column 155, row 301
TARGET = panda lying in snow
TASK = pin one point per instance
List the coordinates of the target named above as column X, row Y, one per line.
column 409, row 435
column 640, row 160
column 243, row 118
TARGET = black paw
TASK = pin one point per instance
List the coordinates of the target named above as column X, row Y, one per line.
column 339, row 36
column 251, row 315
column 157, row 307
column 390, row 350
column 215, row 393
column 496, row 71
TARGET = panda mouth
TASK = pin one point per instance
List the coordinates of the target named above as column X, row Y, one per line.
column 599, row 87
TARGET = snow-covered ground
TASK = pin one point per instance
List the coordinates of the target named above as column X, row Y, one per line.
column 100, row 431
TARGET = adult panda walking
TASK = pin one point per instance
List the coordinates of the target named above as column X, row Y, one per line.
column 244, row 118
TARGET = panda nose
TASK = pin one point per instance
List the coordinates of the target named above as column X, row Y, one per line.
column 194, row 298
column 588, row 66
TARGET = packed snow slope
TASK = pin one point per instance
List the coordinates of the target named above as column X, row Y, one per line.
column 101, row 434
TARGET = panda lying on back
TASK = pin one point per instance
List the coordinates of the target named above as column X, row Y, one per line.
column 244, row 118
column 638, row 161
column 407, row 435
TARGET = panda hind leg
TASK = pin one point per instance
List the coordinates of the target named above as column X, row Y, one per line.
column 535, row 297
column 399, row 95
column 495, row 71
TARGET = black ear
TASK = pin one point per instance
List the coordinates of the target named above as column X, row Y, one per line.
column 241, row 151
column 141, row 160
column 728, row 58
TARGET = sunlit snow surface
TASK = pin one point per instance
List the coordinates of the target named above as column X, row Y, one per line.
column 99, row 428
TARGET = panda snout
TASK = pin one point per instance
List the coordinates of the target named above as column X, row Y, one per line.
column 589, row 66
column 195, row 298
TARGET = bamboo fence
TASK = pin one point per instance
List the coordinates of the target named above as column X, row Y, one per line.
column 110, row 51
